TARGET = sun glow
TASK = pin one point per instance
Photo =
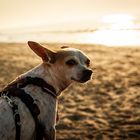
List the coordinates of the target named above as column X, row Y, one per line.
column 119, row 21
column 117, row 30
column 111, row 38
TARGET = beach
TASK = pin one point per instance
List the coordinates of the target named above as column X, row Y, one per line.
column 105, row 108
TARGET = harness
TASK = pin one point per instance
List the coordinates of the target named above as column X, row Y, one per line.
column 14, row 89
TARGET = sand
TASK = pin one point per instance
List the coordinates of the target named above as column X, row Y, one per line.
column 105, row 108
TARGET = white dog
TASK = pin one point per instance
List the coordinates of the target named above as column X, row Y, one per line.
column 31, row 100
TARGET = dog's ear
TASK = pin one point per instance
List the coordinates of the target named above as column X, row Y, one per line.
column 46, row 54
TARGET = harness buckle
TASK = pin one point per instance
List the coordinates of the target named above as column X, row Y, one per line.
column 9, row 100
column 19, row 85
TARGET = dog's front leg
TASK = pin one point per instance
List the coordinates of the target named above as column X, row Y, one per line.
column 50, row 134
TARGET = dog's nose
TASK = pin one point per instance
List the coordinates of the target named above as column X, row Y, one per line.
column 87, row 73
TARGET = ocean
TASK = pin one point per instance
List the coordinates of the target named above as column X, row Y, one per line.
column 103, row 37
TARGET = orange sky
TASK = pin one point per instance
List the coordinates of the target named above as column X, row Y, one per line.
column 26, row 13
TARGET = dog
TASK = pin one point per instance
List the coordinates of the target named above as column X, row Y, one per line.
column 59, row 70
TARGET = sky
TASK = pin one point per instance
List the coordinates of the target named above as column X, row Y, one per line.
column 107, row 22
column 32, row 13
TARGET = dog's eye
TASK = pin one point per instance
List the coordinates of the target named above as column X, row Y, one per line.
column 88, row 62
column 71, row 62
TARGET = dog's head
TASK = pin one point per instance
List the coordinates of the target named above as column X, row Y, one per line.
column 68, row 64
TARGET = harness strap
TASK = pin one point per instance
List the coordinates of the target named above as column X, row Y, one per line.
column 29, row 102
column 17, row 121
column 38, row 82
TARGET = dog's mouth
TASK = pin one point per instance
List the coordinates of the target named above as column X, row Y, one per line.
column 82, row 80
column 85, row 76
column 85, row 79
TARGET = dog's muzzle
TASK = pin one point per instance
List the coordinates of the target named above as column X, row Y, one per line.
column 86, row 75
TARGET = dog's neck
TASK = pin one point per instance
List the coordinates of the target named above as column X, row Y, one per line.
column 49, row 75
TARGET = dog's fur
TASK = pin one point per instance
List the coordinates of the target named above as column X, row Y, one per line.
column 59, row 69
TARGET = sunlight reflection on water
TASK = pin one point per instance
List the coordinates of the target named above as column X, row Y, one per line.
column 111, row 38
column 103, row 37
